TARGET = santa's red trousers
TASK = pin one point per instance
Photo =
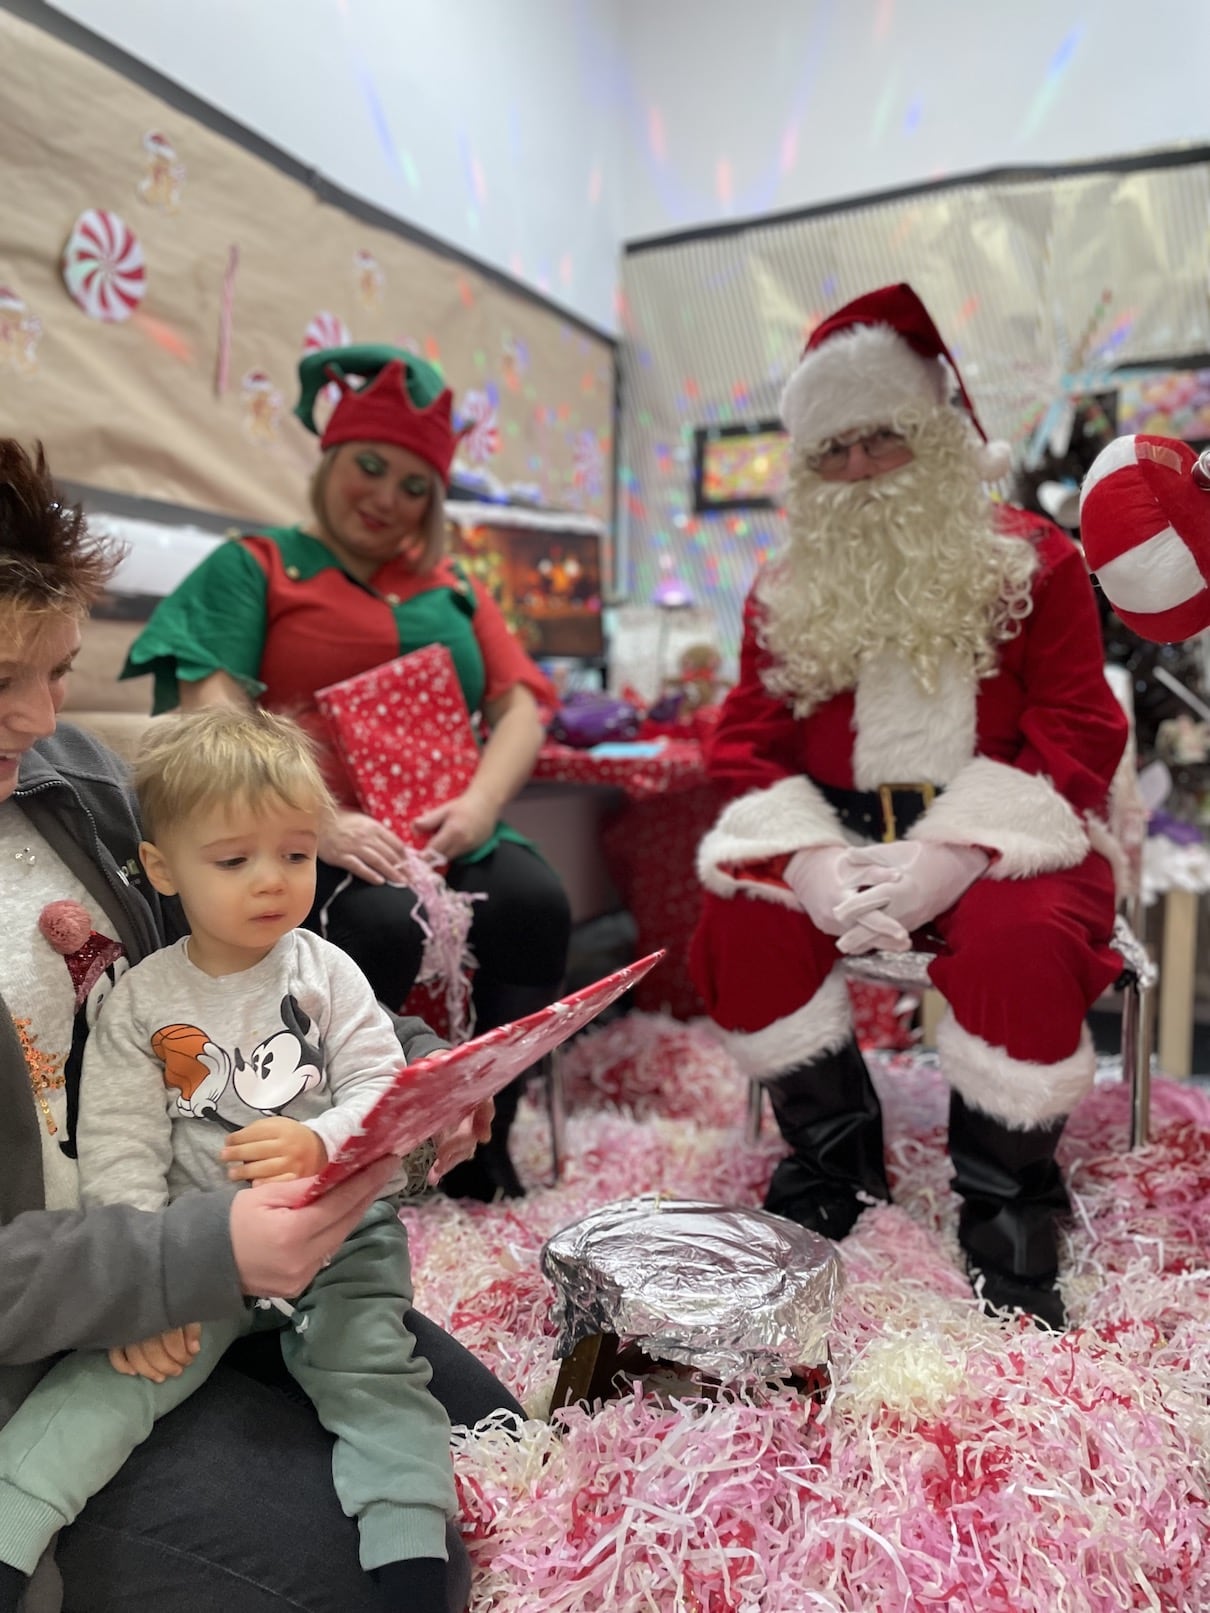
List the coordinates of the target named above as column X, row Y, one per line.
column 1023, row 959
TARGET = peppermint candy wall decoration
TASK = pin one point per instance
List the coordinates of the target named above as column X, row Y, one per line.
column 103, row 267
column 326, row 330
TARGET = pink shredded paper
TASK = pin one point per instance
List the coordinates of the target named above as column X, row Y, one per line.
column 959, row 1464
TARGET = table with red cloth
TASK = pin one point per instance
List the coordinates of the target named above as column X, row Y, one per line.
column 650, row 848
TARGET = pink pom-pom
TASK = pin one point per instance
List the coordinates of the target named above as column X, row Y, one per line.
column 66, row 925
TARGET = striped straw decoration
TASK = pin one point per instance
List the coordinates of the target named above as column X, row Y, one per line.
column 226, row 310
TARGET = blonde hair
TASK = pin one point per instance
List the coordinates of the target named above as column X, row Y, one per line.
column 246, row 756
column 433, row 526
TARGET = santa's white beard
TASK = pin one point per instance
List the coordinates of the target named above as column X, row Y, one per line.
column 908, row 561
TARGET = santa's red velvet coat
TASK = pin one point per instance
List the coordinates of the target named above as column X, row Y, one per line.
column 1025, row 758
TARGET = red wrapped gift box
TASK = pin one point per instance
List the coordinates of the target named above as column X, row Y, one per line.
column 404, row 734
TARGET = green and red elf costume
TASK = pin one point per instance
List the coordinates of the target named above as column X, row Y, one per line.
column 278, row 612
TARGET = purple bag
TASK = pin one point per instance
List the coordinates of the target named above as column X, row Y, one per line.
column 590, row 717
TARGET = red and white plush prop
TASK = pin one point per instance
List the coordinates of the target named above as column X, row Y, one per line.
column 1145, row 527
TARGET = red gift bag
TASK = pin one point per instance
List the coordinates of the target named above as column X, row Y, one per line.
column 404, row 734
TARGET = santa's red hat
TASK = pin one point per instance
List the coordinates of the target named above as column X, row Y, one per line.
column 878, row 355
column 1145, row 528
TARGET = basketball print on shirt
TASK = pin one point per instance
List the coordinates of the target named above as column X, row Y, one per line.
column 206, row 1076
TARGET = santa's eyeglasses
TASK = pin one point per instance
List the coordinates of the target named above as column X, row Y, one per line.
column 878, row 445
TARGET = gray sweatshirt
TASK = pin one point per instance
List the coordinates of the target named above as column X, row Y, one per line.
column 178, row 1059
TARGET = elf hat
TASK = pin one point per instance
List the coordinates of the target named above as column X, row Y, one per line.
column 1145, row 528
column 875, row 356
column 401, row 401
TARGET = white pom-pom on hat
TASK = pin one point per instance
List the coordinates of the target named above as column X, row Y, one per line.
column 994, row 460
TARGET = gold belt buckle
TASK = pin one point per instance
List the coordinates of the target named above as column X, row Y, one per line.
column 886, row 792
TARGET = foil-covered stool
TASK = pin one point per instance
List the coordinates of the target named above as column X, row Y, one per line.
column 722, row 1292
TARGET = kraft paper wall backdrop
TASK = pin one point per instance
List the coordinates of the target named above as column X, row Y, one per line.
column 1046, row 286
column 157, row 358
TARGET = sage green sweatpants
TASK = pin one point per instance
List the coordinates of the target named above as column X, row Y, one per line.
column 347, row 1348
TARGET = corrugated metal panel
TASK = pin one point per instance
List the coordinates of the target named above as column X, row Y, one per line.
column 1014, row 270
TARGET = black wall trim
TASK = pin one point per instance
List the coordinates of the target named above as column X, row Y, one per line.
column 1175, row 157
column 72, row 33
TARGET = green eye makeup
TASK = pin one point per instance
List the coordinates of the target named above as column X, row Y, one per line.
column 415, row 485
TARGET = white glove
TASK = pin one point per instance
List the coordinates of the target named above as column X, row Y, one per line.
column 916, row 880
column 874, row 931
column 824, row 877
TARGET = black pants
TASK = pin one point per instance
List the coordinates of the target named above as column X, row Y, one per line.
column 229, row 1504
column 519, row 935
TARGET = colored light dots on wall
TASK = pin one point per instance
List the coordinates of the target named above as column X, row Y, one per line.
column 1056, row 71
column 788, row 156
column 655, row 134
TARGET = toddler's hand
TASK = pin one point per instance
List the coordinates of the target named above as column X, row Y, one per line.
column 164, row 1356
column 460, row 1141
column 274, row 1150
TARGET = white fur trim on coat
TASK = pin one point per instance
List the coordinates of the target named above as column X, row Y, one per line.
column 820, row 1026
column 906, row 736
column 775, row 822
column 859, row 377
column 1020, row 816
column 1016, row 1091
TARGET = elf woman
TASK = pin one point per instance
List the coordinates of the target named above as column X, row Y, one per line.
column 274, row 616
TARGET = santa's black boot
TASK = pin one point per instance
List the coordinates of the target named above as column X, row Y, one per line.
column 490, row 1172
column 1013, row 1197
column 828, row 1111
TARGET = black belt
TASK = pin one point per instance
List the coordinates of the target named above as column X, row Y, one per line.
column 886, row 813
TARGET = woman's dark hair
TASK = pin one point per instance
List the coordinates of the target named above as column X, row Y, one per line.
column 49, row 560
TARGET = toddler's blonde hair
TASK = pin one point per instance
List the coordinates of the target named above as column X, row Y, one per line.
column 243, row 756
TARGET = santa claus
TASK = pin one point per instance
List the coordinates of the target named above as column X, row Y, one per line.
column 921, row 742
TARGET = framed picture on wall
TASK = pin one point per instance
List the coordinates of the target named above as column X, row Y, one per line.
column 545, row 576
column 740, row 467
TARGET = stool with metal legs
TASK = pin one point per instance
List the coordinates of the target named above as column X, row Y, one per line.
column 908, row 971
column 549, row 1073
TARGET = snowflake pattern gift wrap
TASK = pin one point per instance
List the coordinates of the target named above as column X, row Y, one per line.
column 404, row 733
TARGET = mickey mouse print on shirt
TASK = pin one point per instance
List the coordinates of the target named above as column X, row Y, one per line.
column 213, row 1083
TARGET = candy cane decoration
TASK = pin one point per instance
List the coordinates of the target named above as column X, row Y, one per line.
column 226, row 312
column 103, row 267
